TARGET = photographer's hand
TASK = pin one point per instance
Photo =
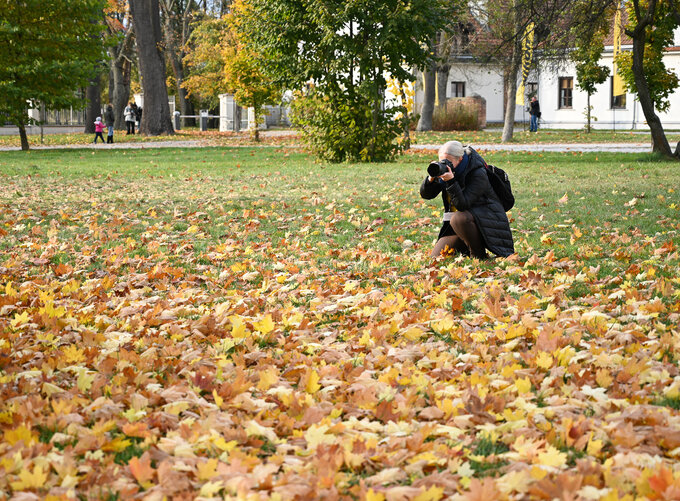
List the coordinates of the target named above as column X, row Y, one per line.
column 448, row 176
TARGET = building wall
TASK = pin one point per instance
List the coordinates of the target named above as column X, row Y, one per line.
column 484, row 81
column 628, row 118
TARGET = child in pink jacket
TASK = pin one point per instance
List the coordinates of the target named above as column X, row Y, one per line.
column 98, row 129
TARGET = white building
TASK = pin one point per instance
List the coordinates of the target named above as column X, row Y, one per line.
column 563, row 104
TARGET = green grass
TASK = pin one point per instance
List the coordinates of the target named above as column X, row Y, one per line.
column 543, row 136
column 208, row 195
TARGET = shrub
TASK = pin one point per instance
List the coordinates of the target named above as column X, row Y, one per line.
column 341, row 128
column 455, row 116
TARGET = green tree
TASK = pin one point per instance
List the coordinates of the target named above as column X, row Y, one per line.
column 204, row 62
column 347, row 49
column 49, row 49
column 219, row 62
column 586, row 56
column 651, row 24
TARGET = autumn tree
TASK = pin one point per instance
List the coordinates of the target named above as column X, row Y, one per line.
column 346, row 50
column 156, row 118
column 589, row 45
column 651, row 25
column 48, row 49
column 204, row 59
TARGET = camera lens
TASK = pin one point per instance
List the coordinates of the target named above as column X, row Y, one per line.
column 435, row 169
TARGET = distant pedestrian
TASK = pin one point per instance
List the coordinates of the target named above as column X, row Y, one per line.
column 535, row 114
column 138, row 115
column 129, row 113
column 109, row 119
column 98, row 129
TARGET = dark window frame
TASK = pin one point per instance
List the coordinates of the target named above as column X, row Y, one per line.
column 457, row 88
column 565, row 93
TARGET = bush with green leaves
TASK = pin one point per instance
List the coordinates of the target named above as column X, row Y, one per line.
column 341, row 127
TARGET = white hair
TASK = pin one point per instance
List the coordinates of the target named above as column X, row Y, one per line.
column 455, row 149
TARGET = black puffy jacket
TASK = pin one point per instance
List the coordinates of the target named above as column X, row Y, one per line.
column 472, row 192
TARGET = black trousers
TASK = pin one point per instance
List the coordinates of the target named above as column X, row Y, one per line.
column 130, row 127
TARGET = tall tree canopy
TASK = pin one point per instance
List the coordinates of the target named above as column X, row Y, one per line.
column 49, row 49
column 346, row 49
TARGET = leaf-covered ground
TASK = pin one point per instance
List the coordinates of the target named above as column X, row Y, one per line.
column 247, row 324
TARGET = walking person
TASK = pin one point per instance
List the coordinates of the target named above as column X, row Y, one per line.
column 474, row 219
column 129, row 113
column 535, row 114
column 109, row 119
column 98, row 129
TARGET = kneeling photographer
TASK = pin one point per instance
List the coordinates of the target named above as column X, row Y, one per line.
column 474, row 219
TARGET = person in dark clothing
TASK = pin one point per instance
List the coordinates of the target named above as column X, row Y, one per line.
column 109, row 119
column 534, row 113
column 138, row 116
column 474, row 219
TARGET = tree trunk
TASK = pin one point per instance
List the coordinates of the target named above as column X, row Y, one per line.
column 119, row 90
column 156, row 118
column 659, row 141
column 23, row 136
column 425, row 121
column 94, row 103
column 442, row 84
column 407, row 120
column 511, row 90
column 588, row 126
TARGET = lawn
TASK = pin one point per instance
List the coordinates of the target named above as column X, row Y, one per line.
column 521, row 136
column 246, row 321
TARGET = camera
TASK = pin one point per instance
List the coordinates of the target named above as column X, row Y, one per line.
column 439, row 167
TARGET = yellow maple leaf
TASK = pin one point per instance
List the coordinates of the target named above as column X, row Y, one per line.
column 73, row 354
column 118, row 444
column 316, row 435
column 552, row 457
column 19, row 319
column 207, row 470
column 523, row 385
column 85, row 379
column 9, row 290
column 209, row 489
column 434, row 493
column 223, row 445
column 413, row 333
column 604, row 378
column 550, row 312
column 268, row 378
column 544, row 360
column 366, row 339
column 372, row 495
column 266, row 325
column 313, row 382
column 28, row 480
column 19, row 433
column 238, row 327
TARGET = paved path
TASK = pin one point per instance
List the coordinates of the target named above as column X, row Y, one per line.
column 559, row 147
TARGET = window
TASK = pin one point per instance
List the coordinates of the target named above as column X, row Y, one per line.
column 457, row 89
column 566, row 89
column 532, row 89
column 617, row 102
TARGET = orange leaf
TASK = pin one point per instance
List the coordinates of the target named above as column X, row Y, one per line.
column 141, row 469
